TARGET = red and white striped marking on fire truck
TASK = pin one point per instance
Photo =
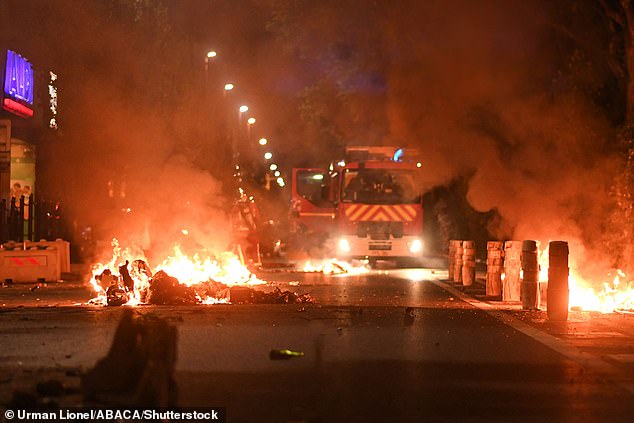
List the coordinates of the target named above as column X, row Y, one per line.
column 381, row 213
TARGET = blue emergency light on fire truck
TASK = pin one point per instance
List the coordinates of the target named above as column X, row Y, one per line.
column 369, row 204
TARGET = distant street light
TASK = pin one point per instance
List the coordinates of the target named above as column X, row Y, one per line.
column 263, row 141
column 211, row 54
column 268, row 155
column 244, row 109
column 229, row 87
column 273, row 166
column 280, row 181
column 251, row 120
column 277, row 173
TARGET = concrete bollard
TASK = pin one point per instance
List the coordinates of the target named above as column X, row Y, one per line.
column 452, row 259
column 457, row 270
column 558, row 270
column 530, row 275
column 512, row 267
column 495, row 262
column 468, row 263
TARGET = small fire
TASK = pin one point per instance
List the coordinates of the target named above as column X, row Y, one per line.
column 226, row 269
column 610, row 297
column 333, row 266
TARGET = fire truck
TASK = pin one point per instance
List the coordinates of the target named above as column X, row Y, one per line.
column 367, row 205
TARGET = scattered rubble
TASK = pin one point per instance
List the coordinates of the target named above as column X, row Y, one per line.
column 163, row 289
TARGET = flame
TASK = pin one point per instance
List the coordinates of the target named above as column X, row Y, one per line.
column 334, row 266
column 584, row 295
column 227, row 268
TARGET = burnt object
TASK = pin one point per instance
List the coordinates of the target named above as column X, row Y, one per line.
column 128, row 282
column 558, row 293
column 139, row 266
column 241, row 294
column 281, row 297
column 165, row 289
column 106, row 278
column 139, row 368
column 116, row 295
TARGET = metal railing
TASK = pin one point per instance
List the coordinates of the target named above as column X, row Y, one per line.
column 26, row 219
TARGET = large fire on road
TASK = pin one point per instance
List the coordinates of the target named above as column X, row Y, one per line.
column 188, row 271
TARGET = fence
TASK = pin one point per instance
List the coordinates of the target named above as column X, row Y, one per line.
column 26, row 219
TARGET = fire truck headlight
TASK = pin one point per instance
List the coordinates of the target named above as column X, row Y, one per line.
column 344, row 245
column 416, row 246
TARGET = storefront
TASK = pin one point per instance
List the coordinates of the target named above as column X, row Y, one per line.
column 28, row 116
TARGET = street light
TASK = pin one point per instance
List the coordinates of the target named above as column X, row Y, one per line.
column 251, row 120
column 280, row 181
column 244, row 109
column 268, row 155
column 273, row 166
column 229, row 87
column 263, row 141
column 277, row 173
column 211, row 54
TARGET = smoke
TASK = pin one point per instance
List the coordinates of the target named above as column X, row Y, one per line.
column 477, row 96
column 141, row 156
column 486, row 90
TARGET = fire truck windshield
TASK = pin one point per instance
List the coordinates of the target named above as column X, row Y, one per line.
column 380, row 186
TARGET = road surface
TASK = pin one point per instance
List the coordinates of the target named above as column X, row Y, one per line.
column 392, row 345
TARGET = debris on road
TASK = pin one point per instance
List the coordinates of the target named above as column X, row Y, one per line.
column 165, row 289
column 284, row 354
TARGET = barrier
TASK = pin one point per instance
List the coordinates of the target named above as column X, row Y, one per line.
column 468, row 263
column 512, row 267
column 63, row 248
column 495, row 263
column 30, row 261
column 530, row 275
column 457, row 272
column 558, row 291
column 30, row 265
column 453, row 244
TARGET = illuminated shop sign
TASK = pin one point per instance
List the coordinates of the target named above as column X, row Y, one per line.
column 18, row 85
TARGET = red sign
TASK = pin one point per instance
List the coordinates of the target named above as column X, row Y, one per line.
column 17, row 108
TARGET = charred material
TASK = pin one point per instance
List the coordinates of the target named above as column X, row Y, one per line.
column 281, row 297
column 116, row 295
column 128, row 282
column 165, row 289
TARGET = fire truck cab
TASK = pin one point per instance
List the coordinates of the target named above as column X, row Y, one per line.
column 369, row 204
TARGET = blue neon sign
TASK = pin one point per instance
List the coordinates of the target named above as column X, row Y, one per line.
column 18, row 78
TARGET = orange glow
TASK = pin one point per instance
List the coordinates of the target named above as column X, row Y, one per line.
column 333, row 266
column 616, row 292
column 225, row 268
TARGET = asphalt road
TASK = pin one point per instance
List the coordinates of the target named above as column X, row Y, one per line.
column 367, row 356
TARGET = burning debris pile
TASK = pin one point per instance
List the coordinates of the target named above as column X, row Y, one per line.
column 180, row 280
